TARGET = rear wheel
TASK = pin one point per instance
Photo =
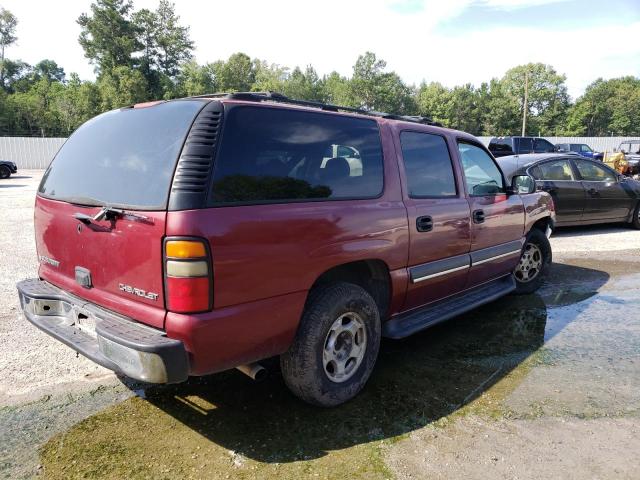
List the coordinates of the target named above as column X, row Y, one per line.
column 534, row 262
column 4, row 171
column 336, row 345
column 635, row 221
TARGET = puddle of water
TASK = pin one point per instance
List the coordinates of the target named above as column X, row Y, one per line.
column 516, row 357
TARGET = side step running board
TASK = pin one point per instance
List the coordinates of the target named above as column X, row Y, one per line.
column 411, row 322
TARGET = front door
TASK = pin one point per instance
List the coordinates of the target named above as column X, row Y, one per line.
column 606, row 196
column 557, row 178
column 497, row 226
column 439, row 221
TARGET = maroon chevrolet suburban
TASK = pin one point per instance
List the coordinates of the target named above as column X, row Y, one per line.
column 192, row 236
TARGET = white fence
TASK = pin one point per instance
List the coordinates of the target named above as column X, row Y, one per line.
column 599, row 144
column 29, row 152
column 37, row 153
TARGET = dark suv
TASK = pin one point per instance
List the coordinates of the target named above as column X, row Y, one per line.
column 192, row 236
column 503, row 146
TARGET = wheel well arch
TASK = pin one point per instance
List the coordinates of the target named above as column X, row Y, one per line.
column 542, row 224
column 370, row 274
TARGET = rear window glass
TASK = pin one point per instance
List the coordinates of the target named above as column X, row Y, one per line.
column 427, row 165
column 122, row 158
column 273, row 155
column 554, row 170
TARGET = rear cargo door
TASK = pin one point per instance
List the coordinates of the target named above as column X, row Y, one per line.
column 121, row 162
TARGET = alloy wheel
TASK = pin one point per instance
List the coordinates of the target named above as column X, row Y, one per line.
column 344, row 347
column 530, row 263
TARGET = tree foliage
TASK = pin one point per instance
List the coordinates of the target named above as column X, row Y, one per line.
column 607, row 107
column 8, row 24
column 148, row 54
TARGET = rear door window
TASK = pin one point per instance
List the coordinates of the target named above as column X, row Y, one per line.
column 481, row 173
column 427, row 165
column 525, row 145
column 122, row 158
column 275, row 155
column 555, row 170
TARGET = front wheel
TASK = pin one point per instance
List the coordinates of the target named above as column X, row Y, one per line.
column 4, row 171
column 534, row 262
column 336, row 345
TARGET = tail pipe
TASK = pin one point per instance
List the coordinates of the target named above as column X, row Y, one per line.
column 253, row 370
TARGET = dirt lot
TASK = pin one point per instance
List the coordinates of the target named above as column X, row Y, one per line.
column 541, row 386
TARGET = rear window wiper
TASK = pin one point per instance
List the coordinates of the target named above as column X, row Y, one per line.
column 111, row 213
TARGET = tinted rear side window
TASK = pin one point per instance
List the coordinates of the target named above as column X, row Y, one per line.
column 525, row 145
column 274, row 155
column 427, row 165
column 122, row 158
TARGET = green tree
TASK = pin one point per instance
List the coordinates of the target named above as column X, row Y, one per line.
column 8, row 24
column 79, row 102
column 172, row 40
column 269, row 78
column 122, row 86
column 336, row 89
column 49, row 70
column 502, row 114
column 547, row 101
column 16, row 76
column 303, row 85
column 108, row 35
column 374, row 89
column 608, row 107
column 237, row 74
column 433, row 100
column 195, row 79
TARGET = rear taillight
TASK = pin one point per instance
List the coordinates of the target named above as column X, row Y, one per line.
column 188, row 275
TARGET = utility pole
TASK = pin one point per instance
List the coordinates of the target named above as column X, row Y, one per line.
column 525, row 104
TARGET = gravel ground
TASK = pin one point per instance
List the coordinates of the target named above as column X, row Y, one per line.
column 46, row 388
column 32, row 364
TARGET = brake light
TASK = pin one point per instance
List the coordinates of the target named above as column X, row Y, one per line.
column 188, row 275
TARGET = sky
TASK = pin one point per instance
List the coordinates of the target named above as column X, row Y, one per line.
column 449, row 41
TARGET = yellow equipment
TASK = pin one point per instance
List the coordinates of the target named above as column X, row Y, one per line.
column 616, row 161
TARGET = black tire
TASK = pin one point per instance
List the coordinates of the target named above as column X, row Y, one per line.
column 4, row 171
column 528, row 280
column 303, row 365
column 635, row 221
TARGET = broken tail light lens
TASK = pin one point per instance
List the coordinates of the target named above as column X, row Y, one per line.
column 188, row 275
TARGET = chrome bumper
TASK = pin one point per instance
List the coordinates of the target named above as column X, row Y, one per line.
column 111, row 340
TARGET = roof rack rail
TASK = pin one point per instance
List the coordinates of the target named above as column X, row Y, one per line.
column 280, row 98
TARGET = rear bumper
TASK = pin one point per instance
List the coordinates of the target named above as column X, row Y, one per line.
column 111, row 340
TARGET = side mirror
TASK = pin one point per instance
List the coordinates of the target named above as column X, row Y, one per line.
column 523, row 184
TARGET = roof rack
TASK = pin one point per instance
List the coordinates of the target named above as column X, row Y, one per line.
column 280, row 98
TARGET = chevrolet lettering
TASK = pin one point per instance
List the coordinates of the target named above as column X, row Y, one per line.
column 137, row 291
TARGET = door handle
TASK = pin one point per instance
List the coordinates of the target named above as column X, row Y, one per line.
column 424, row 224
column 478, row 216
column 593, row 192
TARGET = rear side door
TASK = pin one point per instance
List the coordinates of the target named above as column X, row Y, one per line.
column 557, row 178
column 606, row 197
column 439, row 219
column 497, row 218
